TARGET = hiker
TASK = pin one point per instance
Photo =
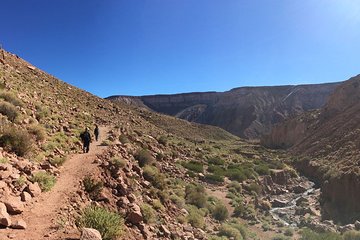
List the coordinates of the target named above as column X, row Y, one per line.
column 96, row 132
column 86, row 139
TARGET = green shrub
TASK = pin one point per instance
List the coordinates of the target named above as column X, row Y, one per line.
column 92, row 186
column 16, row 140
column 38, row 132
column 230, row 232
column 57, row 161
column 153, row 175
column 8, row 110
column 194, row 166
column 212, row 178
column 289, row 232
column 195, row 217
column 41, row 112
column 148, row 213
column 11, row 98
column 162, row 140
column 262, row 169
column 124, row 139
column 351, row 235
column 216, row 161
column 178, row 201
column 4, row 160
column 157, row 205
column 217, row 170
column 253, row 187
column 220, row 212
column 109, row 224
column 45, row 180
column 235, row 187
column 118, row 162
column 236, row 174
column 144, row 157
column 195, row 195
column 307, row 234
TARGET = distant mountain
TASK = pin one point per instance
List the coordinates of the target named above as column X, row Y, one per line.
column 248, row 112
column 329, row 141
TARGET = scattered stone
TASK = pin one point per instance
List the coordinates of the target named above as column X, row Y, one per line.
column 14, row 205
column 299, row 189
column 5, row 219
column 19, row 224
column 25, row 197
column 90, row 234
column 34, row 189
column 166, row 231
column 278, row 203
column 134, row 216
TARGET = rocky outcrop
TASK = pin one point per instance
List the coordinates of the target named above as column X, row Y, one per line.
column 90, row 234
column 247, row 112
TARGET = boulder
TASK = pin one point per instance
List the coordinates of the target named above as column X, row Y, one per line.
column 357, row 225
column 166, row 231
column 25, row 197
column 134, row 214
column 90, row 234
column 280, row 177
column 299, row 189
column 14, row 205
column 34, row 189
column 5, row 219
column 19, row 224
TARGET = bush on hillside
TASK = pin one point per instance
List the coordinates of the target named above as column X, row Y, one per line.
column 213, row 178
column 195, row 217
column 144, row 157
column 8, row 110
column 153, row 175
column 92, row 186
column 109, row 224
column 16, row 140
column 351, row 235
column 195, row 195
column 194, row 166
column 216, row 161
column 307, row 234
column 45, row 180
column 220, row 212
column 10, row 98
column 148, row 213
column 162, row 140
column 38, row 132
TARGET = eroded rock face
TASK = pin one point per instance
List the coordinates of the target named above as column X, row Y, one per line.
column 246, row 112
column 5, row 219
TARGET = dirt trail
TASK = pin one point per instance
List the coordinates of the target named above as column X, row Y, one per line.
column 41, row 215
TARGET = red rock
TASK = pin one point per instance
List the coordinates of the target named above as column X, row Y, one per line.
column 19, row 224
column 134, row 215
column 25, row 196
column 34, row 189
column 90, row 234
column 5, row 219
column 14, row 205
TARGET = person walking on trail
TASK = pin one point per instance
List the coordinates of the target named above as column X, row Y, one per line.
column 96, row 132
column 86, row 139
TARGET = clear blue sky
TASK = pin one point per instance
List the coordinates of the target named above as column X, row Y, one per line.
column 138, row 47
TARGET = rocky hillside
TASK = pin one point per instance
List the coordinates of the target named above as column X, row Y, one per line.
column 329, row 138
column 248, row 112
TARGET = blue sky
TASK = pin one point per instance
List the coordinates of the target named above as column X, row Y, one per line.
column 140, row 47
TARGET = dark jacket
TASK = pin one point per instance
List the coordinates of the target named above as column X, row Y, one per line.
column 85, row 137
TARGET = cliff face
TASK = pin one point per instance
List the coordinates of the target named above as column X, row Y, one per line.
column 330, row 143
column 247, row 112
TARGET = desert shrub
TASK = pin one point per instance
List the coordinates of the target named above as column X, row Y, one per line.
column 20, row 182
column 307, row 234
column 216, row 161
column 157, row 205
column 92, row 186
column 16, row 140
column 195, row 195
column 4, row 160
column 239, row 210
column 144, row 157
column 213, row 178
column 230, row 232
column 124, row 139
column 106, row 142
column 118, row 162
column 45, row 180
column 11, row 98
column 217, row 170
column 194, row 166
column 38, row 132
column 109, row 224
column 162, row 140
column 153, row 175
column 160, row 156
column 351, row 235
column 195, row 217
column 220, row 212
column 235, row 187
column 280, row 237
column 235, row 174
column 262, row 169
column 178, row 201
column 41, row 112
column 9, row 110
column 57, row 161
column 289, row 232
column 148, row 213
column 253, row 187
